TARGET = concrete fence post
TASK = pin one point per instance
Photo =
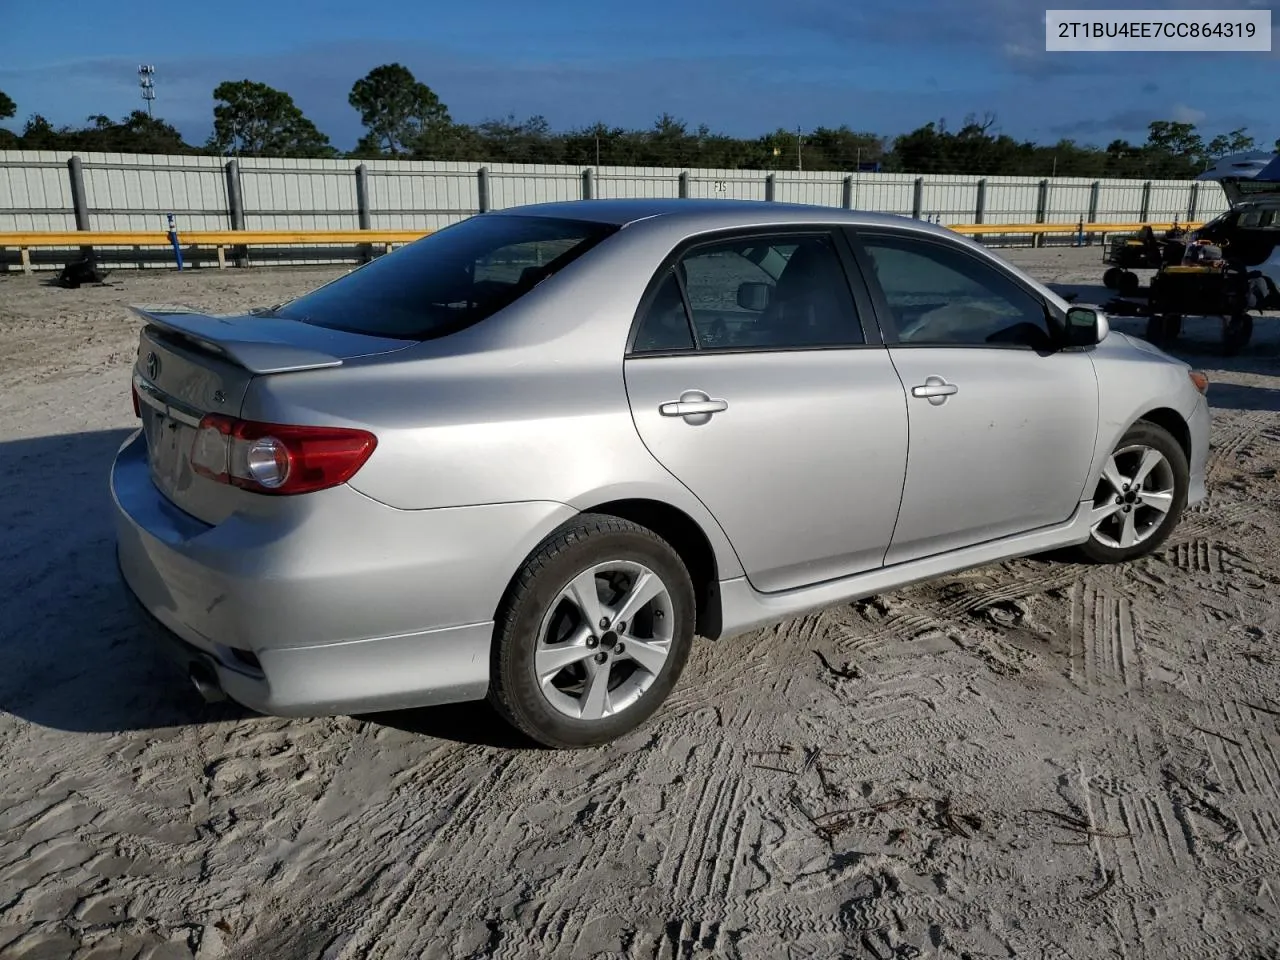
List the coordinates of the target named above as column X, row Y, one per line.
column 1146, row 202
column 1193, row 199
column 846, row 199
column 1042, row 210
column 917, row 198
column 980, row 205
column 79, row 200
column 588, row 185
column 364, row 216
column 770, row 187
column 684, row 185
column 482, row 189
column 235, row 209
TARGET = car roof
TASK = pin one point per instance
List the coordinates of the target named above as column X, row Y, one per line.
column 700, row 213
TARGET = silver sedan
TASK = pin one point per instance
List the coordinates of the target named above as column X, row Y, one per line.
column 531, row 456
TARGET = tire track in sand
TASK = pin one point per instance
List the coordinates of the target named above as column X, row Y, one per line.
column 1105, row 648
column 1234, row 441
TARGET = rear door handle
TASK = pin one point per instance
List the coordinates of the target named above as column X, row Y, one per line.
column 935, row 390
column 695, row 406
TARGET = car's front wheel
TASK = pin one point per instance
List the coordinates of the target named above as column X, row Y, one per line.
column 1140, row 495
column 593, row 633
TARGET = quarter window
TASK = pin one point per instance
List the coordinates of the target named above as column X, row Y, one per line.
column 946, row 297
column 754, row 294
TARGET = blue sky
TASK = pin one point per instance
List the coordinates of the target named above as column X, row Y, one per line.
column 741, row 66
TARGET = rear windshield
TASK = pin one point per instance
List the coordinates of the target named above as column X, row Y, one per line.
column 448, row 280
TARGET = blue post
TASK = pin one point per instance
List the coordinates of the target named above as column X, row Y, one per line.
column 1080, row 233
column 173, row 239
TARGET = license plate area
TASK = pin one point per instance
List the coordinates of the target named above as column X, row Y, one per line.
column 168, row 444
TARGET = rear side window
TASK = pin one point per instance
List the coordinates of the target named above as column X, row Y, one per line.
column 760, row 293
column 450, row 279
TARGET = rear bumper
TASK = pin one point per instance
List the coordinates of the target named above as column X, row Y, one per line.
column 345, row 605
column 366, row 676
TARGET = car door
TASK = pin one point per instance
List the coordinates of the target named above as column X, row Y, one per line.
column 1002, row 421
column 751, row 379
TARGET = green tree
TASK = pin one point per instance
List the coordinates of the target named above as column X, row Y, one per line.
column 7, row 107
column 1225, row 144
column 510, row 140
column 255, row 120
column 1173, row 150
column 397, row 109
column 39, row 134
column 841, row 148
column 139, row 132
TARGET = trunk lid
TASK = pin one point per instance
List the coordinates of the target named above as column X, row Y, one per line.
column 1246, row 177
column 192, row 364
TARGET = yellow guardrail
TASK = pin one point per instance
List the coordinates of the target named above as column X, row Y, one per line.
column 990, row 229
column 222, row 239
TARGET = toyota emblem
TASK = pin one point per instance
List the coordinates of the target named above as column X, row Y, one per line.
column 153, row 366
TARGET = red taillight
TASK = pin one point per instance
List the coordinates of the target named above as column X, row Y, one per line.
column 278, row 458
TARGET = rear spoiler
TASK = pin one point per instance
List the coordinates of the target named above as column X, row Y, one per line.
column 223, row 336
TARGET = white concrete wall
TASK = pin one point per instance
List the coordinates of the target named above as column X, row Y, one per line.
column 135, row 192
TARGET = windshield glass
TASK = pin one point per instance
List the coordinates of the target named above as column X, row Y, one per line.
column 450, row 279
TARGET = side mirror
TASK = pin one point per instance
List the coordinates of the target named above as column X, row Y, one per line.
column 1086, row 327
column 754, row 296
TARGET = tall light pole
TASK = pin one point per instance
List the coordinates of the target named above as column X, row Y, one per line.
column 146, row 80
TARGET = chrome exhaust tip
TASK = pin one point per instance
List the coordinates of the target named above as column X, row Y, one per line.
column 206, row 682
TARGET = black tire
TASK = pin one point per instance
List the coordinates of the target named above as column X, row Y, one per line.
column 1163, row 329
column 1111, row 278
column 1143, row 433
column 1236, row 333
column 583, row 542
column 1128, row 283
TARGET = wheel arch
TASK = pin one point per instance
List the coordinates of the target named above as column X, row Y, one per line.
column 685, row 536
column 1172, row 421
column 688, row 540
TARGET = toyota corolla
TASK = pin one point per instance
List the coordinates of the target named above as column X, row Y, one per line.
column 532, row 456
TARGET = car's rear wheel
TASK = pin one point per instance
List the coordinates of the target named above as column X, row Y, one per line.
column 1140, row 496
column 593, row 633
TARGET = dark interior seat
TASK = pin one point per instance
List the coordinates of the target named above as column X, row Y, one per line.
column 810, row 304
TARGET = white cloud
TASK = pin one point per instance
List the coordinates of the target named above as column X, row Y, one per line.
column 1184, row 114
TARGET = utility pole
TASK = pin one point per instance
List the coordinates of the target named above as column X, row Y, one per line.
column 799, row 140
column 146, row 80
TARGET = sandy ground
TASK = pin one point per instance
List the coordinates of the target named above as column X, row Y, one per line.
column 1036, row 759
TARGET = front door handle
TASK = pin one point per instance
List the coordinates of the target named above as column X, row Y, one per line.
column 695, row 406
column 935, row 390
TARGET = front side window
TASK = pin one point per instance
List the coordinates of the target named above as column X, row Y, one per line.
column 772, row 293
column 450, row 279
column 942, row 296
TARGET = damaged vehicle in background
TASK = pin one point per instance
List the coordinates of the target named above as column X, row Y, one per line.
column 530, row 456
column 1230, row 267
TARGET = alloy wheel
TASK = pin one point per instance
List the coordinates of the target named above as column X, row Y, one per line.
column 1133, row 498
column 604, row 641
